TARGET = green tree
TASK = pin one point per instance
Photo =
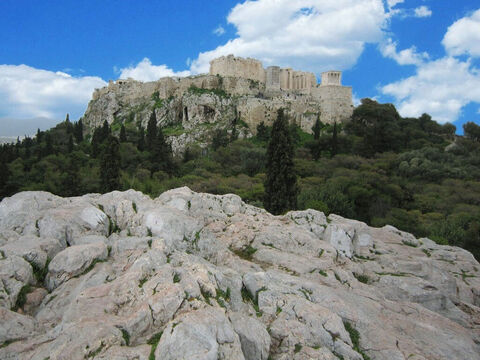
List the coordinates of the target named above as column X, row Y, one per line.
column 262, row 132
column 78, row 131
column 281, row 181
column 123, row 134
column 334, row 140
column 151, row 132
column 472, row 131
column 70, row 144
column 110, row 166
column 141, row 140
column 161, row 154
column 317, row 128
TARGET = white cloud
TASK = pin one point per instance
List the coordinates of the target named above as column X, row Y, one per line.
column 146, row 71
column 393, row 3
column 463, row 36
column 422, row 11
column 440, row 88
column 27, row 92
column 219, row 30
column 408, row 56
column 305, row 34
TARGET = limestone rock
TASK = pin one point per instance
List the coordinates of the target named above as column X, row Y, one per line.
column 73, row 261
column 201, row 276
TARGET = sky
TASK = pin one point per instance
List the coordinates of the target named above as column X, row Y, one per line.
column 421, row 55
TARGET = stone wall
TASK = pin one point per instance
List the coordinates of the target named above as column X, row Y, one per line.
column 335, row 102
column 238, row 67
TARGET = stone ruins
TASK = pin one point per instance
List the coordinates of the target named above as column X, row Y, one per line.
column 234, row 88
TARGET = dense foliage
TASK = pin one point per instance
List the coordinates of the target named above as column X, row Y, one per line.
column 379, row 168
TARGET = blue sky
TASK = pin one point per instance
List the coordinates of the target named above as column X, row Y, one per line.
column 421, row 55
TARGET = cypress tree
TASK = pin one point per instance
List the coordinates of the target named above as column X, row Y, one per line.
column 316, row 128
column 281, row 182
column 123, row 134
column 334, row 140
column 151, row 132
column 262, row 132
column 105, row 131
column 70, row 144
column 49, row 144
column 78, row 131
column 110, row 165
column 96, row 141
column 141, row 140
column 161, row 154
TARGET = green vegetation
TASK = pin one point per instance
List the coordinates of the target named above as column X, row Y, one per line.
column 153, row 341
column 245, row 253
column 355, row 337
column 126, row 336
column 22, row 297
column 199, row 91
column 379, row 168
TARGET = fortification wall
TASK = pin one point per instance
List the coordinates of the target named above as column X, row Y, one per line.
column 238, row 67
column 335, row 102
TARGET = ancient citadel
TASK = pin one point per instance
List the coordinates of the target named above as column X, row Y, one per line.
column 236, row 90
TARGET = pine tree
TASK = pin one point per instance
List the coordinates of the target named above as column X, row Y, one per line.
column 123, row 134
column 151, row 132
column 110, row 166
column 281, row 182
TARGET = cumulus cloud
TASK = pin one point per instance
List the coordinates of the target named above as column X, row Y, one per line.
column 440, row 88
column 27, row 92
column 146, row 71
column 408, row 56
column 305, row 34
column 422, row 11
column 219, row 30
column 463, row 36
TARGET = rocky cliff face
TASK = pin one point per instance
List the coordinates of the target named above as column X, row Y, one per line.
column 197, row 276
column 191, row 109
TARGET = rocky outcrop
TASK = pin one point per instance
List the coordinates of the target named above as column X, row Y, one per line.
column 199, row 276
column 191, row 109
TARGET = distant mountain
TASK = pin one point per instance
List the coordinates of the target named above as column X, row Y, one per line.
column 10, row 127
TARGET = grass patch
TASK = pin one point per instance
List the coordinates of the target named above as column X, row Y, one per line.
column 362, row 278
column 142, row 282
column 153, row 341
column 95, row 352
column 92, row 265
column 409, row 243
column 321, row 253
column 428, row 253
column 206, row 296
column 245, row 253
column 221, row 296
column 40, row 273
column 134, row 207
column 355, row 337
column 298, row 348
column 176, row 278
column 126, row 336
column 247, row 297
column 173, row 130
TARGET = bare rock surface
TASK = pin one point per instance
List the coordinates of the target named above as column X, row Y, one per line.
column 199, row 276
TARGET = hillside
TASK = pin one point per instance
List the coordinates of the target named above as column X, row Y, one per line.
column 197, row 276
